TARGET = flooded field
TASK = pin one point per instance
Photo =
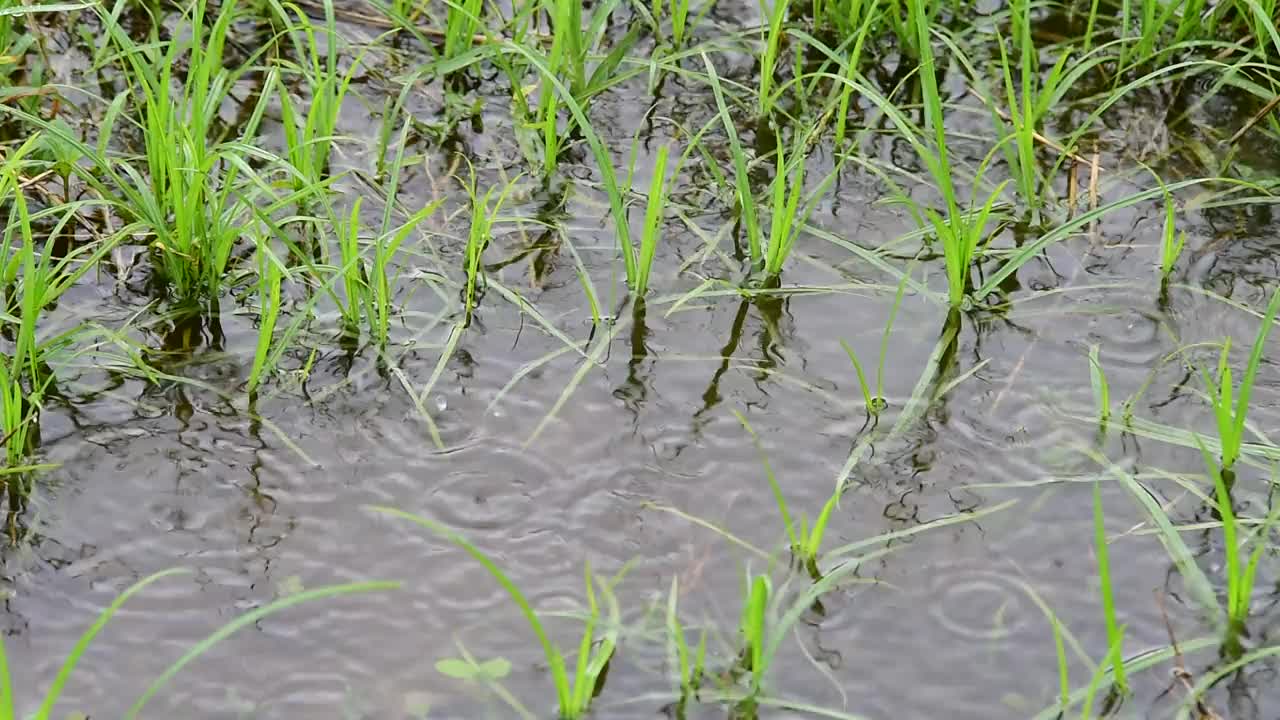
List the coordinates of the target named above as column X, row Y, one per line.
column 849, row 359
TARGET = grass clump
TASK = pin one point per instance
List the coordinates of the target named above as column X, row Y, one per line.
column 194, row 194
column 1231, row 404
column 33, row 276
column 311, row 130
column 1241, row 561
column 484, row 214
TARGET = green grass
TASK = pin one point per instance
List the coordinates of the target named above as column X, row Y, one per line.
column 639, row 260
column 310, row 133
column 484, row 214
column 1171, row 243
column 753, row 628
column 1115, row 631
column 688, row 663
column 771, row 38
column 190, row 194
column 875, row 402
column 217, row 147
column 1241, row 561
column 34, row 277
column 1231, row 404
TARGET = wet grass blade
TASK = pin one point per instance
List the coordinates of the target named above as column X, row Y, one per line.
column 741, row 179
column 1115, row 633
column 655, row 205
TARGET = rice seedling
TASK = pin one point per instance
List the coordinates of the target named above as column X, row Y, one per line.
column 789, row 207
column 961, row 234
column 845, row 18
column 1171, row 243
column 1023, row 110
column 355, row 298
column 688, row 664
column 1115, row 632
column 851, row 64
column 639, row 260
column 1231, row 404
column 875, row 402
column 1101, row 390
column 379, row 275
column 8, row 695
column 604, row 160
column 484, row 214
column 310, row 134
column 33, row 277
column 270, row 275
column 805, row 541
column 742, row 180
column 678, row 12
column 575, row 687
column 772, row 34
column 572, row 51
column 753, row 629
column 194, row 195
column 463, row 20
column 771, row 610
column 1241, row 562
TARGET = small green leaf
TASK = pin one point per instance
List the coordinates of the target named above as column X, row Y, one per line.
column 457, row 669
column 496, row 669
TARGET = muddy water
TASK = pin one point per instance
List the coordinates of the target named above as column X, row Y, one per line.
column 947, row 625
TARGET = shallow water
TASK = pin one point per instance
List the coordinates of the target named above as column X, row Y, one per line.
column 947, row 625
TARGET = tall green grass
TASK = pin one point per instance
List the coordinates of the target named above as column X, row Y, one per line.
column 677, row 11
column 772, row 36
column 1027, row 104
column 638, row 260
column 33, row 276
column 1241, row 561
column 192, row 196
column 270, row 277
column 578, row 60
column 311, row 130
column 789, row 206
column 960, row 233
